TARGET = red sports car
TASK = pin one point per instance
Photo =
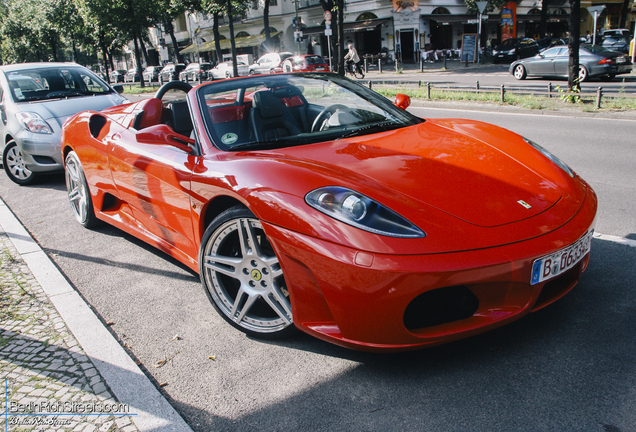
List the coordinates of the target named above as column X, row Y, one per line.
column 307, row 201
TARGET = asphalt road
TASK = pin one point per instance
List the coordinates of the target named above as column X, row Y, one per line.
column 571, row 366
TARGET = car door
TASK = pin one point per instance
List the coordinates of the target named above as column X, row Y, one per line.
column 561, row 61
column 543, row 66
column 154, row 180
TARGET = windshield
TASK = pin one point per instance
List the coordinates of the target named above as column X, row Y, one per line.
column 276, row 111
column 28, row 85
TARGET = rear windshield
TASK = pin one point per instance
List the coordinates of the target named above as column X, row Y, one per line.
column 313, row 60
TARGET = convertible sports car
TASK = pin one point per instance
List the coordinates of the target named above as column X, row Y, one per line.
column 307, row 201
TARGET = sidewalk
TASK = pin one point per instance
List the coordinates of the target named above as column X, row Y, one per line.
column 60, row 368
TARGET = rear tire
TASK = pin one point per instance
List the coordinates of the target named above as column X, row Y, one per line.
column 582, row 74
column 79, row 194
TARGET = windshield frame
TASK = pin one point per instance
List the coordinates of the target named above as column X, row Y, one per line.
column 398, row 117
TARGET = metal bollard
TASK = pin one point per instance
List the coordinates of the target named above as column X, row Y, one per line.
column 503, row 93
column 444, row 61
column 421, row 64
column 428, row 90
column 370, row 85
column 477, row 86
column 366, row 71
column 549, row 90
column 599, row 95
column 380, row 65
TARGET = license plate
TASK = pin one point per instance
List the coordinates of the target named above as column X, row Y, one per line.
column 621, row 60
column 561, row 261
column 320, row 68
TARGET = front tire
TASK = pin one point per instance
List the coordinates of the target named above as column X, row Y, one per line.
column 78, row 193
column 519, row 72
column 15, row 167
column 242, row 276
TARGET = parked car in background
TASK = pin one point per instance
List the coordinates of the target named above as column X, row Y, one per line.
column 195, row 72
column 616, row 43
column 514, row 49
column 36, row 100
column 616, row 32
column 151, row 73
column 225, row 70
column 117, row 76
column 131, row 75
column 170, row 72
column 546, row 43
column 268, row 62
column 594, row 62
column 305, row 63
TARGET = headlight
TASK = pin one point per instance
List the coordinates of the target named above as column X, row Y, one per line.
column 361, row 212
column 511, row 52
column 552, row 157
column 34, row 123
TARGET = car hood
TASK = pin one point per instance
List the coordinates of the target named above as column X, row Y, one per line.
column 475, row 172
column 60, row 109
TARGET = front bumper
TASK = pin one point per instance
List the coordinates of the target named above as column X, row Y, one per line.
column 41, row 152
column 359, row 300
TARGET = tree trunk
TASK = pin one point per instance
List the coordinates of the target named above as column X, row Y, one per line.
column 268, row 37
column 229, row 15
column 543, row 25
column 624, row 14
column 173, row 38
column 102, row 45
column 138, row 61
column 575, row 31
column 217, row 36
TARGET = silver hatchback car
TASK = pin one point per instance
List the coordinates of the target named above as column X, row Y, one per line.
column 35, row 100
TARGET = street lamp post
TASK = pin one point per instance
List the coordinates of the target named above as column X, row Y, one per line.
column 481, row 5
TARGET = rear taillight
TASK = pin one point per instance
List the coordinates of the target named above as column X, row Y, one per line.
column 606, row 61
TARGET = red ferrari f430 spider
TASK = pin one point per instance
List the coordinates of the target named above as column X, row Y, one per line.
column 307, row 201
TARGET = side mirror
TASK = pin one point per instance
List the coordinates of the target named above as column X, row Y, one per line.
column 119, row 88
column 164, row 135
column 402, row 101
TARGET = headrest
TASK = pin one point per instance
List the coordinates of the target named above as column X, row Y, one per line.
column 153, row 112
column 267, row 104
column 286, row 92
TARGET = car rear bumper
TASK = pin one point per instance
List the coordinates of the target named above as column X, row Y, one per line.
column 377, row 302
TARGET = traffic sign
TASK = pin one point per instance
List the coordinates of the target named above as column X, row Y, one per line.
column 327, row 16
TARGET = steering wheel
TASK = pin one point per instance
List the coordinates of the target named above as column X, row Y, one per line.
column 172, row 85
column 324, row 116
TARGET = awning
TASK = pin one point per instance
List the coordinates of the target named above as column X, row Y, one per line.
column 350, row 27
column 241, row 42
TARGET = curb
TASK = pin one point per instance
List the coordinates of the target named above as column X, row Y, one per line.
column 126, row 380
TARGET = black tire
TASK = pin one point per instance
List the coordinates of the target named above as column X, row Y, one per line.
column 236, row 275
column 519, row 72
column 357, row 72
column 15, row 167
column 79, row 195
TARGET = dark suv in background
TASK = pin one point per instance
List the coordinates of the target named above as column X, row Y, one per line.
column 170, row 72
column 515, row 49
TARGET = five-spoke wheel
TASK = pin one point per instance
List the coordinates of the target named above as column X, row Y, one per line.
column 243, row 277
column 520, row 72
column 78, row 193
column 14, row 165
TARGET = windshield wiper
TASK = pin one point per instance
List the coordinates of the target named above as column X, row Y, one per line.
column 372, row 128
column 266, row 144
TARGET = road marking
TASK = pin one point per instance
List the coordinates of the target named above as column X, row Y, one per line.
column 482, row 109
column 616, row 239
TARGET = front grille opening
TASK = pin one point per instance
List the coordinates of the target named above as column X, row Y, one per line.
column 95, row 124
column 558, row 287
column 440, row 306
column 44, row 160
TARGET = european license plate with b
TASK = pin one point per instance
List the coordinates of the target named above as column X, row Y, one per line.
column 561, row 261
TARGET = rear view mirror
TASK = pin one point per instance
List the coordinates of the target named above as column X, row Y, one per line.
column 402, row 101
column 164, row 135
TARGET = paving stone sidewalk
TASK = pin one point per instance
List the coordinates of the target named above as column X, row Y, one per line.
column 42, row 367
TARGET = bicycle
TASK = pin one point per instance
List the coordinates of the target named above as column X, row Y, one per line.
column 354, row 69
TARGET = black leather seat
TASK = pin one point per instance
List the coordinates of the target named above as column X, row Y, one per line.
column 270, row 118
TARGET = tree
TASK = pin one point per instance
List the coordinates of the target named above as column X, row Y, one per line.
column 337, row 6
column 575, row 32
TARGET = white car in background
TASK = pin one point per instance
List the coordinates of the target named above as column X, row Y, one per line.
column 268, row 62
column 35, row 100
column 225, row 70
